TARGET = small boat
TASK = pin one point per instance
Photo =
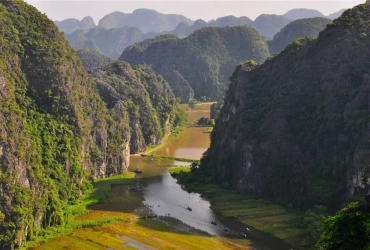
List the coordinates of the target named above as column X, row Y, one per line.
column 214, row 223
column 138, row 171
column 189, row 208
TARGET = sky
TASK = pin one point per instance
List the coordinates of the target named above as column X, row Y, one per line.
column 206, row 9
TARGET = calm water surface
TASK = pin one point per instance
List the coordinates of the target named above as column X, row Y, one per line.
column 164, row 197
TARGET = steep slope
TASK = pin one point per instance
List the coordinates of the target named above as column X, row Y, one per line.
column 56, row 133
column 336, row 14
column 70, row 25
column 147, row 97
column 110, row 42
column 297, row 29
column 296, row 128
column 201, row 62
column 269, row 25
column 295, row 14
column 144, row 19
column 92, row 59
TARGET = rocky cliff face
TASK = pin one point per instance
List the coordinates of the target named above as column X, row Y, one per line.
column 203, row 61
column 147, row 97
column 56, row 132
column 296, row 128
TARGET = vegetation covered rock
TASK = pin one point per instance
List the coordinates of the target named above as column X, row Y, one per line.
column 297, row 29
column 201, row 62
column 92, row 59
column 295, row 129
column 56, row 132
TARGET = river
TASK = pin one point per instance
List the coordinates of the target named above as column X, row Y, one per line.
column 163, row 196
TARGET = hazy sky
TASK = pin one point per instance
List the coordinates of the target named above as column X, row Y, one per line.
column 206, row 10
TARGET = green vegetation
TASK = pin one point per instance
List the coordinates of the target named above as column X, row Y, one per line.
column 151, row 105
column 92, row 59
column 348, row 229
column 171, row 158
column 109, row 42
column 58, row 130
column 294, row 129
column 297, row 29
column 95, row 195
column 208, row 130
column 202, row 62
column 292, row 226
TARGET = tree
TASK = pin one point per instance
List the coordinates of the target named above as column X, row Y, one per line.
column 192, row 104
column 348, row 229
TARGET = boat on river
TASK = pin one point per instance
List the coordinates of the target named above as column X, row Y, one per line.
column 190, row 209
column 138, row 171
column 214, row 223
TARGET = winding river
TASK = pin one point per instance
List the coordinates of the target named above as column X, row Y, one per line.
column 164, row 197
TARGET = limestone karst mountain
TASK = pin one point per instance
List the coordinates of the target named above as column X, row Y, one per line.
column 144, row 19
column 299, row 13
column 295, row 129
column 269, row 25
column 299, row 28
column 58, row 131
column 71, row 25
column 202, row 62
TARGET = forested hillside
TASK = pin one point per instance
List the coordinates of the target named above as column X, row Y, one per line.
column 296, row 128
column 299, row 28
column 201, row 63
column 56, row 132
column 110, row 42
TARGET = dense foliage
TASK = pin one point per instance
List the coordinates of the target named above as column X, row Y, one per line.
column 295, row 129
column 297, row 29
column 146, row 96
column 201, row 62
column 110, row 42
column 348, row 229
column 92, row 59
column 56, row 132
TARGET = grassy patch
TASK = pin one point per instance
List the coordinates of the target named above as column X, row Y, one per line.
column 208, row 130
column 170, row 158
column 132, row 232
column 261, row 214
column 97, row 194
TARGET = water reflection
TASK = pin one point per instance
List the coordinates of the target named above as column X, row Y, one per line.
column 191, row 144
column 166, row 198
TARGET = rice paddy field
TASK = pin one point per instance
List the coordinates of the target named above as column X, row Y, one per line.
column 254, row 212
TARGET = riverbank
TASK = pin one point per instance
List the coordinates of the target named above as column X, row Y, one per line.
column 109, row 223
column 252, row 211
column 98, row 193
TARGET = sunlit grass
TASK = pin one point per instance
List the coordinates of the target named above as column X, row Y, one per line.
column 97, row 194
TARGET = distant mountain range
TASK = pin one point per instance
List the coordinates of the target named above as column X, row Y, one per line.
column 152, row 21
column 199, row 65
column 117, row 30
column 110, row 42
